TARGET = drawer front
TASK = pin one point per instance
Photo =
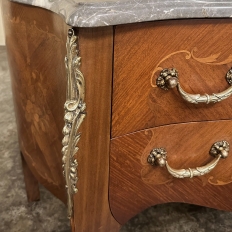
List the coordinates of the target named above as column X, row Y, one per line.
column 136, row 185
column 200, row 50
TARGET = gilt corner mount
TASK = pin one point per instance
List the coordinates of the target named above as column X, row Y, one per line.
column 74, row 115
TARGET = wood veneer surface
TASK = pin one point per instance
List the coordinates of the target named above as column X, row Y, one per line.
column 31, row 183
column 91, row 203
column 39, row 94
column 135, row 185
column 199, row 49
column 35, row 40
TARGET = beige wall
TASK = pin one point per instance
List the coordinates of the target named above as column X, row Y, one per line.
column 2, row 36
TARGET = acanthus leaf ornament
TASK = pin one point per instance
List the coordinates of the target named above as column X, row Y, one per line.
column 74, row 115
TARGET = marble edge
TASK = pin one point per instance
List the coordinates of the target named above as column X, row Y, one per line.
column 97, row 14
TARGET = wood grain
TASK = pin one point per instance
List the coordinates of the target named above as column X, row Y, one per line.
column 31, row 183
column 138, row 50
column 91, row 203
column 36, row 47
column 36, row 51
column 135, row 185
column 35, row 40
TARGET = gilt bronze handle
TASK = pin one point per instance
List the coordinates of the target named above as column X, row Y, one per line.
column 169, row 79
column 158, row 156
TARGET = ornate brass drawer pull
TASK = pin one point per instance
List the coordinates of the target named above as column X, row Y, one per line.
column 158, row 156
column 168, row 79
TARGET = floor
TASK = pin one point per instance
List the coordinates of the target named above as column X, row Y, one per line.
column 49, row 214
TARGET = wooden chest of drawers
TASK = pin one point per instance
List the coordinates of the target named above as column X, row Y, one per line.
column 127, row 115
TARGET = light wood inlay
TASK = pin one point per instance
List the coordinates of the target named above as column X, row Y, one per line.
column 36, row 52
column 136, row 185
column 139, row 48
column 35, row 40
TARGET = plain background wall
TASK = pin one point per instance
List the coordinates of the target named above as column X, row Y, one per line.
column 2, row 36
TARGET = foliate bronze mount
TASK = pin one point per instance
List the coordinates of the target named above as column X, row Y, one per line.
column 74, row 115
column 158, row 157
column 168, row 79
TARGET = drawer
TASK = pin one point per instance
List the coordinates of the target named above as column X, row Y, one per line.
column 200, row 50
column 136, row 185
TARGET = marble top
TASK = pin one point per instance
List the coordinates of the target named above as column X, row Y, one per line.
column 95, row 13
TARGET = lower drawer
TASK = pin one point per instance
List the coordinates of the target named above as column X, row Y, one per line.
column 136, row 185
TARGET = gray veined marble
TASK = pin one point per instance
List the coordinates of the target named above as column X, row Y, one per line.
column 94, row 13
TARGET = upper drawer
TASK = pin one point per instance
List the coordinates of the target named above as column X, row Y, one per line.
column 200, row 50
